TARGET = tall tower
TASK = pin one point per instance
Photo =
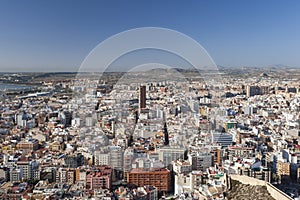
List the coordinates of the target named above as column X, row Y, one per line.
column 113, row 128
column 166, row 134
column 142, row 98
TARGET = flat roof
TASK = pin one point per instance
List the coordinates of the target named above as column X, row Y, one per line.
column 142, row 170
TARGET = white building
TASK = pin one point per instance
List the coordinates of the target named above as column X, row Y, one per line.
column 101, row 158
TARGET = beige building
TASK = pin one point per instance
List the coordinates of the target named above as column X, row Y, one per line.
column 283, row 168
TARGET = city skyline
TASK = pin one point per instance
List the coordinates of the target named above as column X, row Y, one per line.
column 58, row 35
column 140, row 100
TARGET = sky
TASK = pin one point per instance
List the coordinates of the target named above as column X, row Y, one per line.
column 57, row 35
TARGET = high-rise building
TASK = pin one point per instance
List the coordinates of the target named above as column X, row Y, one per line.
column 142, row 98
column 252, row 90
column 74, row 161
column 116, row 157
column 29, row 168
column 99, row 179
column 169, row 154
column 21, row 119
column 160, row 178
column 16, row 174
column 200, row 161
column 101, row 158
column 240, row 151
column 65, row 118
column 166, row 134
column 66, row 175
column 283, row 168
column 225, row 139
column 128, row 159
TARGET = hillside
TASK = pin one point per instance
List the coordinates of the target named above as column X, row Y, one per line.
column 241, row 191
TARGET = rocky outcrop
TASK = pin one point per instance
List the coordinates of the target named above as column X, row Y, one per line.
column 241, row 191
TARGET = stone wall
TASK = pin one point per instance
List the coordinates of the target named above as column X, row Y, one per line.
column 275, row 193
column 248, row 180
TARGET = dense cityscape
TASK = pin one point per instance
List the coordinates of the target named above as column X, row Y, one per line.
column 158, row 134
column 149, row 100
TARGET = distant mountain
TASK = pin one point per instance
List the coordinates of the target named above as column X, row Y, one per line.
column 51, row 74
column 275, row 66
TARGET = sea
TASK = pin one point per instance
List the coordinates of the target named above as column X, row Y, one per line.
column 13, row 87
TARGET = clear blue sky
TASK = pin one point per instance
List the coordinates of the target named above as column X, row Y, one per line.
column 56, row 35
